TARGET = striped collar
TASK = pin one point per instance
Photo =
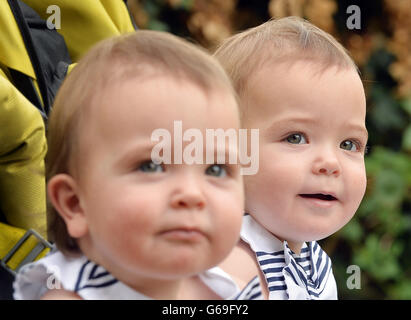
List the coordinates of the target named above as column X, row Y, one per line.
column 288, row 275
column 93, row 282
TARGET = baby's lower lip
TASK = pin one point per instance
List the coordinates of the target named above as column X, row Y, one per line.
column 184, row 235
column 319, row 202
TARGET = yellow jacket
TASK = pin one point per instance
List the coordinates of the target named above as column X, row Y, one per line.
column 22, row 131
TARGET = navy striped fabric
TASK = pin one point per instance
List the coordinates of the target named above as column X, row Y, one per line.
column 92, row 275
column 288, row 275
column 310, row 270
column 252, row 291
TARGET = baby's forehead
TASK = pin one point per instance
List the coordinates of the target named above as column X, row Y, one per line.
column 300, row 87
column 293, row 72
column 160, row 100
column 140, row 91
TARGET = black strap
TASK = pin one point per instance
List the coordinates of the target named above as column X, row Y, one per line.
column 28, row 41
column 131, row 16
column 25, row 86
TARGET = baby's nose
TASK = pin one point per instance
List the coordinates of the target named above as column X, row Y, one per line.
column 327, row 164
column 188, row 195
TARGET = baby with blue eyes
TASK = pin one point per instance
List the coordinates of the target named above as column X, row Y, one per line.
column 126, row 225
column 301, row 89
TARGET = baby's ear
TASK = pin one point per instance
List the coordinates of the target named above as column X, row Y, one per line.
column 63, row 194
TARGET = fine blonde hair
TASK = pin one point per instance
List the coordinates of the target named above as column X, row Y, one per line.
column 277, row 40
column 138, row 55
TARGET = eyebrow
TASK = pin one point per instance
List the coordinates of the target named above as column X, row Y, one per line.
column 360, row 129
column 136, row 150
column 145, row 149
column 285, row 120
column 310, row 121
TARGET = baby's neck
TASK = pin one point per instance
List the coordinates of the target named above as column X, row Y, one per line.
column 295, row 246
column 159, row 289
column 193, row 288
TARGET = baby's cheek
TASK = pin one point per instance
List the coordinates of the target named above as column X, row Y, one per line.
column 129, row 218
column 358, row 185
column 228, row 226
column 355, row 186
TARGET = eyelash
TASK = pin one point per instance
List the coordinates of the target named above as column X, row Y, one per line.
column 359, row 145
column 294, row 133
column 228, row 170
column 147, row 161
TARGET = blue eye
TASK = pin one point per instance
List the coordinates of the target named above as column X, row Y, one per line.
column 150, row 167
column 216, row 171
column 349, row 145
column 296, row 138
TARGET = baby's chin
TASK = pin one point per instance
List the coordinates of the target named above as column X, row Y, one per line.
column 300, row 233
column 308, row 235
column 184, row 265
column 304, row 231
column 174, row 273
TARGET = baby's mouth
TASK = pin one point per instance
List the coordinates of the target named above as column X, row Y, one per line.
column 319, row 196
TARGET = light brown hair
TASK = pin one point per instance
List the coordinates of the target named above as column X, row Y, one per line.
column 138, row 55
column 277, row 40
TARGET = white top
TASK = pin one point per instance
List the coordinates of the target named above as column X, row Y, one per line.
column 92, row 282
column 290, row 276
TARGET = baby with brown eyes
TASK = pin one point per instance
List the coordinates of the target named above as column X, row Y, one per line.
column 301, row 89
column 126, row 226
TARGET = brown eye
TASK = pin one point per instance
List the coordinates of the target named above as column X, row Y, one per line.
column 296, row 138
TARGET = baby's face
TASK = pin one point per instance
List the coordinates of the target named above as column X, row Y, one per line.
column 311, row 177
column 150, row 221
